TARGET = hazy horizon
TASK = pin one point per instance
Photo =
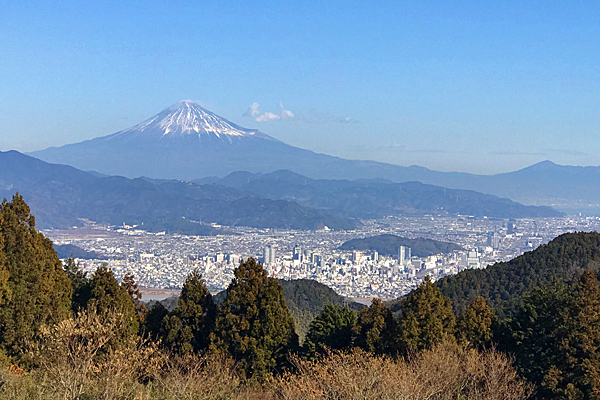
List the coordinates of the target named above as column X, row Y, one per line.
column 474, row 88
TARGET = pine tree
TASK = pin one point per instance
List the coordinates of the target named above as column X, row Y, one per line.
column 475, row 325
column 188, row 328
column 582, row 345
column 80, row 284
column 427, row 318
column 254, row 324
column 154, row 321
column 37, row 291
column 108, row 296
column 536, row 334
column 134, row 292
column 333, row 328
column 376, row 329
column 4, row 274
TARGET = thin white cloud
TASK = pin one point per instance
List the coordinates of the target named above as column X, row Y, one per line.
column 254, row 112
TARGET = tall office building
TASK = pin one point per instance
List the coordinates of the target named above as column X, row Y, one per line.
column 404, row 255
column 511, row 227
column 298, row 253
column 269, row 255
column 493, row 240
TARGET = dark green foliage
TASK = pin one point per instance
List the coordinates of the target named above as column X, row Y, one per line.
column 80, row 284
column 254, row 324
column 563, row 258
column 583, row 346
column 558, row 328
column 537, row 329
column 107, row 295
column 427, row 318
column 306, row 298
column 4, row 272
column 136, row 296
column 377, row 329
column 476, row 324
column 37, row 291
column 153, row 323
column 188, row 327
column 388, row 245
column 333, row 328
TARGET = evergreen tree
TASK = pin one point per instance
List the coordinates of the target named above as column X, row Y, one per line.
column 475, row 325
column 333, row 328
column 576, row 373
column 134, row 292
column 36, row 289
column 427, row 318
column 254, row 324
column 584, row 345
column 536, row 334
column 4, row 274
column 154, row 322
column 188, row 328
column 80, row 284
column 376, row 329
column 107, row 295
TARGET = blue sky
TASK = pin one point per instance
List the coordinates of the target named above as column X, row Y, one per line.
column 478, row 86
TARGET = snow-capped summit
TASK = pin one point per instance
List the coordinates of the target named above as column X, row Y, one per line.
column 188, row 118
column 187, row 141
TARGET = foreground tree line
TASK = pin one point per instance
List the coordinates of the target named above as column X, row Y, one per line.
column 64, row 335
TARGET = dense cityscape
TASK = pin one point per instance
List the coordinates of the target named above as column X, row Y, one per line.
column 162, row 261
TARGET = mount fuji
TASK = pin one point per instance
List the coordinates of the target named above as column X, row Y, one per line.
column 186, row 141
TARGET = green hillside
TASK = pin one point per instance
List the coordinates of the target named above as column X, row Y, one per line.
column 501, row 283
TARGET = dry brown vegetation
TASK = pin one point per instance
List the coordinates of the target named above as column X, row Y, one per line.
column 75, row 361
column 448, row 371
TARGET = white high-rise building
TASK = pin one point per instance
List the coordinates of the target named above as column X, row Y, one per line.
column 404, row 255
column 269, row 255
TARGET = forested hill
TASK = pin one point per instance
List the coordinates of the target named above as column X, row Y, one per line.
column 305, row 299
column 500, row 284
column 310, row 295
column 70, row 250
column 388, row 245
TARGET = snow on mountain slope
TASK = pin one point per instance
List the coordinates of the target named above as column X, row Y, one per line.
column 188, row 118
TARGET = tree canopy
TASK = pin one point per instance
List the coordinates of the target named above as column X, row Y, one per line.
column 254, row 324
column 35, row 289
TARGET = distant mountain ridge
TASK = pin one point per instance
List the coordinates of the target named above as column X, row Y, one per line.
column 61, row 195
column 187, row 142
column 375, row 198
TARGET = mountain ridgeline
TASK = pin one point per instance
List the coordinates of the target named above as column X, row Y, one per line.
column 186, row 142
column 374, row 198
column 388, row 245
column 61, row 196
